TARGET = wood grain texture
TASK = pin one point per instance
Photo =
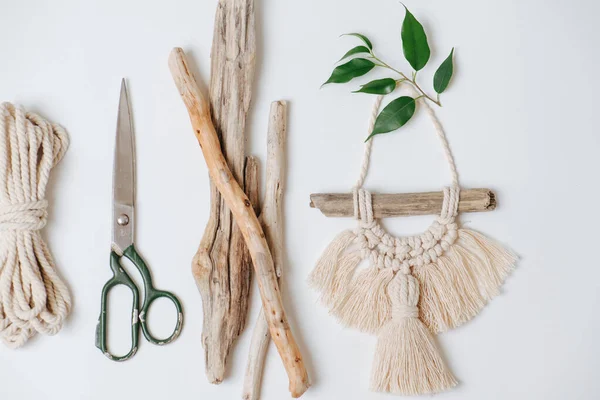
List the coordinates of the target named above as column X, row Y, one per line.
column 243, row 213
column 271, row 219
column 403, row 204
column 221, row 265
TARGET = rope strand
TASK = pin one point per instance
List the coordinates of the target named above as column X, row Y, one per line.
column 33, row 298
column 439, row 130
column 364, row 168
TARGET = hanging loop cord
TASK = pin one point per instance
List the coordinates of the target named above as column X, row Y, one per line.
column 362, row 201
column 33, row 298
column 364, row 168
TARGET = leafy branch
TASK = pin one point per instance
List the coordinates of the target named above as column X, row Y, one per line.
column 416, row 51
column 404, row 78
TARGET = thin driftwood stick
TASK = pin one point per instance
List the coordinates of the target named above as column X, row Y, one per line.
column 403, row 204
column 246, row 219
column 221, row 266
column 271, row 219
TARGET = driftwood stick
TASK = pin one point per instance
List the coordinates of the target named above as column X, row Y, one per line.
column 403, row 204
column 271, row 219
column 221, row 266
column 241, row 208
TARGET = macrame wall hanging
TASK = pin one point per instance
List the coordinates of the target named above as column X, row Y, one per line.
column 413, row 287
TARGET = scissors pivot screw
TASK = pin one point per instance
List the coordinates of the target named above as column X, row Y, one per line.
column 123, row 220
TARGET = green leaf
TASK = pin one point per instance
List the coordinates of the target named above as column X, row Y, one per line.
column 414, row 42
column 442, row 76
column 394, row 115
column 356, row 50
column 379, row 86
column 352, row 69
column 361, row 37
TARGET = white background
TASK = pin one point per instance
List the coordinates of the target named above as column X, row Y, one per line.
column 521, row 118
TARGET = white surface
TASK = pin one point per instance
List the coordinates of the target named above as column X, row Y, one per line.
column 520, row 118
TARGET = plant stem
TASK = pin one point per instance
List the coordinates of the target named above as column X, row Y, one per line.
column 412, row 81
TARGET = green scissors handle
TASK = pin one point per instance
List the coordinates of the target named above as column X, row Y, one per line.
column 138, row 315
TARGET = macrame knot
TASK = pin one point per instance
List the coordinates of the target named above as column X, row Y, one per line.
column 450, row 204
column 363, row 207
column 437, row 230
column 400, row 311
column 404, row 295
column 30, row 216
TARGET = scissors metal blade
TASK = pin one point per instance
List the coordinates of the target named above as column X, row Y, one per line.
column 123, row 175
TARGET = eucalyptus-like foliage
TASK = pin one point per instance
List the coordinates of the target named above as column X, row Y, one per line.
column 415, row 48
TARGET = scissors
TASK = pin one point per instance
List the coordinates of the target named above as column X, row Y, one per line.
column 123, row 243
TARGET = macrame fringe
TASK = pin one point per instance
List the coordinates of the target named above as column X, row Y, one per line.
column 335, row 267
column 454, row 288
column 358, row 299
column 407, row 360
column 462, row 281
column 364, row 303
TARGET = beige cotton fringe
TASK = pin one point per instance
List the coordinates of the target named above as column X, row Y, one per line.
column 414, row 287
column 33, row 298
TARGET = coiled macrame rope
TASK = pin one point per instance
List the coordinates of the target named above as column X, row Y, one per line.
column 33, row 298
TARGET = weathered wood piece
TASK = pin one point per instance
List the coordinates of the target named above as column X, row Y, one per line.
column 245, row 217
column 271, row 219
column 403, row 204
column 221, row 265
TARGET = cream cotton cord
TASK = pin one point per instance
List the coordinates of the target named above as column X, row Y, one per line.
column 33, row 298
column 359, row 197
column 414, row 286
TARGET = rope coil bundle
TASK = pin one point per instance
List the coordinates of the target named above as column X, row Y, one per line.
column 415, row 286
column 33, row 298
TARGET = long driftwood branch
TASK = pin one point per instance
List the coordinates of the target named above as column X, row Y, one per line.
column 271, row 219
column 246, row 219
column 403, row 204
column 221, row 266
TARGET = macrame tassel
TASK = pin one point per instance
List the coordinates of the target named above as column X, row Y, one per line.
column 462, row 280
column 407, row 360
column 366, row 305
column 335, row 269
